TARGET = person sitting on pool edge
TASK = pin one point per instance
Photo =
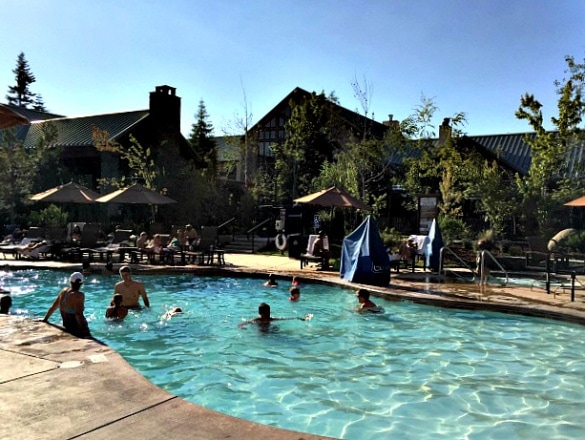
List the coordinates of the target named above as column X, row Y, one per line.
column 366, row 305
column 271, row 281
column 71, row 303
column 265, row 318
column 116, row 310
column 295, row 294
column 5, row 303
column 131, row 290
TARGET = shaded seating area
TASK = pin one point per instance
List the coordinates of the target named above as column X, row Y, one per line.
column 308, row 257
column 207, row 251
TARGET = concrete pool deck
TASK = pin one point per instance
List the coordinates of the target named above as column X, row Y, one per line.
column 55, row 386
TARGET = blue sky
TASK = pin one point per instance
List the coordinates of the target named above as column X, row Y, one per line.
column 472, row 56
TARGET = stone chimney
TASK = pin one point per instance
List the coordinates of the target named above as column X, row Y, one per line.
column 165, row 107
column 444, row 131
column 392, row 123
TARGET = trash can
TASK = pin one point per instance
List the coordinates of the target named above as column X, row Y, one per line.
column 296, row 245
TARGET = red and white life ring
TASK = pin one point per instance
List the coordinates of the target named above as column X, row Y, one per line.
column 280, row 241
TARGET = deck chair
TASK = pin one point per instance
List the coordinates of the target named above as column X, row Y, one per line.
column 538, row 253
column 207, row 251
column 120, row 239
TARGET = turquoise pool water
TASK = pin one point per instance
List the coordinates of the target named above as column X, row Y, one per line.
column 414, row 372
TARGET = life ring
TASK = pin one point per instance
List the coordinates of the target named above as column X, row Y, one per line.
column 280, row 241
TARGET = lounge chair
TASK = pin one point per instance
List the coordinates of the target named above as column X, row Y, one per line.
column 207, row 251
column 308, row 256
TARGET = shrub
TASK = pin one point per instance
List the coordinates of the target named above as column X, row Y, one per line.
column 576, row 242
column 391, row 238
column 453, row 229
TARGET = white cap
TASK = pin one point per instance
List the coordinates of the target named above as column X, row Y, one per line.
column 76, row 277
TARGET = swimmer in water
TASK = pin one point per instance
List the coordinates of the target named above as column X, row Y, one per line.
column 171, row 313
column 295, row 294
column 271, row 281
column 116, row 311
column 366, row 305
column 265, row 319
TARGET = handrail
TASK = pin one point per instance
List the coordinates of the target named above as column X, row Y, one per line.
column 488, row 253
column 227, row 222
column 463, row 263
column 253, row 228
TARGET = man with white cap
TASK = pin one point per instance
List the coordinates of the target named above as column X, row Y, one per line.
column 71, row 303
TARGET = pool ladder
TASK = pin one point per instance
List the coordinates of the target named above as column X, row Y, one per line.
column 484, row 254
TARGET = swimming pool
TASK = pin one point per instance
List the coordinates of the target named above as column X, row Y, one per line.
column 413, row 372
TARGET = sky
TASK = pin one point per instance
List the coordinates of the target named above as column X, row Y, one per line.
column 243, row 57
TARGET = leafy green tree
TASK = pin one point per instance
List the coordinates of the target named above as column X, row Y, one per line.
column 496, row 194
column 429, row 168
column 549, row 176
column 204, row 143
column 312, row 139
column 139, row 159
column 20, row 94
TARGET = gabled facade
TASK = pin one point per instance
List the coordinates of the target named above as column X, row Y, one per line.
column 156, row 127
column 270, row 130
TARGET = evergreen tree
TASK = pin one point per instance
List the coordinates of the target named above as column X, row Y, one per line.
column 204, row 143
column 39, row 104
column 19, row 94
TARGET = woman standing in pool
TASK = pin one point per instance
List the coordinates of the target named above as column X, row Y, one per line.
column 71, row 303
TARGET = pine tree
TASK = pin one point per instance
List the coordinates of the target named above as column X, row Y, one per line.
column 39, row 104
column 20, row 95
column 203, row 142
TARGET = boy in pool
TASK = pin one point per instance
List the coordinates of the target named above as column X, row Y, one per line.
column 116, row 310
column 264, row 319
column 271, row 281
column 295, row 294
column 366, row 305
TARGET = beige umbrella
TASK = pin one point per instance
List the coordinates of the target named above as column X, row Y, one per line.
column 136, row 194
column 577, row 202
column 333, row 197
column 67, row 193
column 559, row 237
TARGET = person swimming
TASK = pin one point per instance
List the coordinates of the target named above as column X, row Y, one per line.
column 116, row 310
column 271, row 281
column 169, row 314
column 366, row 305
column 265, row 318
column 295, row 294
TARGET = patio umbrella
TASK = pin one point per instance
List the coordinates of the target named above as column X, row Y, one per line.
column 67, row 193
column 577, row 202
column 333, row 197
column 136, row 194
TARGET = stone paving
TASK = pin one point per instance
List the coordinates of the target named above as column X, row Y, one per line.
column 55, row 386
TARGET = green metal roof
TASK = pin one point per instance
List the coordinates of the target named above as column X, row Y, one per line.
column 78, row 131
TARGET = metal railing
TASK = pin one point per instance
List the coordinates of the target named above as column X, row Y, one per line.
column 443, row 271
column 484, row 254
column 253, row 229
column 226, row 223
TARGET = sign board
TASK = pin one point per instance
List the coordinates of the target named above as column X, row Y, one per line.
column 428, row 210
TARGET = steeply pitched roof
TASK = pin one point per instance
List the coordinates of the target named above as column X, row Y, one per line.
column 353, row 119
column 78, row 131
